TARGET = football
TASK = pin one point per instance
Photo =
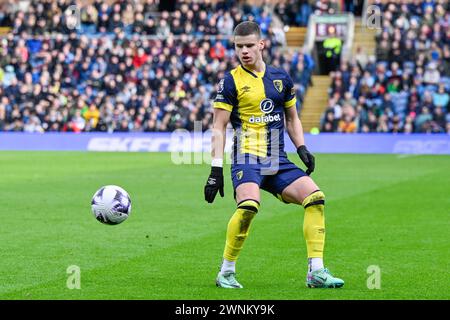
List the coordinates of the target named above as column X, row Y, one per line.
column 111, row 205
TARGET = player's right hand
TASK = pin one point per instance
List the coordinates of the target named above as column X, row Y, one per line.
column 214, row 184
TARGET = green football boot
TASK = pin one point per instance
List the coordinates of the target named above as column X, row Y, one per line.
column 228, row 280
column 322, row 278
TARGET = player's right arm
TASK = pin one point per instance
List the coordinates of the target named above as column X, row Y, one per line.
column 223, row 105
column 218, row 138
column 221, row 118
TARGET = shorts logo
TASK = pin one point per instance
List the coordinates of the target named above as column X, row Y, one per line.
column 278, row 84
column 266, row 105
column 221, row 85
column 239, row 175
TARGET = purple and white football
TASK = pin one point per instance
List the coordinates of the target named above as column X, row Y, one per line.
column 111, row 205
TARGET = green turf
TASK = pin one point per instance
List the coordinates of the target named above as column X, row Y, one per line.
column 384, row 210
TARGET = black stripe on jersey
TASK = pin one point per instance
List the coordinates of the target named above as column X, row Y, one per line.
column 245, row 69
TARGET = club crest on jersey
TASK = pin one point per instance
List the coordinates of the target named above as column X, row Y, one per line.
column 278, row 84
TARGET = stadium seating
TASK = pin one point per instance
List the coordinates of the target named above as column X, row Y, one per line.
column 125, row 66
column 405, row 87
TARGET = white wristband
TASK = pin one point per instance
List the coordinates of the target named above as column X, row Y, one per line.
column 217, row 163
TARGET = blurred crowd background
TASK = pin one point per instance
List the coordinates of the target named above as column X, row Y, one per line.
column 133, row 66
column 128, row 67
column 405, row 87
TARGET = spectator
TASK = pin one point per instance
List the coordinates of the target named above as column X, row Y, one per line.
column 347, row 124
column 217, row 51
column 439, row 119
column 431, row 75
column 225, row 24
column 441, row 98
column 329, row 124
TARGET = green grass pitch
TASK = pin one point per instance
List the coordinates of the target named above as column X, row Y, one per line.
column 388, row 211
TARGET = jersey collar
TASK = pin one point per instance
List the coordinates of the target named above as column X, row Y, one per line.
column 254, row 73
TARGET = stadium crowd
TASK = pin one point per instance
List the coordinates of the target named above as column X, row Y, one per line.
column 297, row 12
column 126, row 67
column 406, row 87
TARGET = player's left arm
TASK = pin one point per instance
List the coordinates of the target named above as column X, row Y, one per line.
column 294, row 126
column 295, row 129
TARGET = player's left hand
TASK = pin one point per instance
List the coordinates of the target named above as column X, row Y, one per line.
column 307, row 158
column 214, row 184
